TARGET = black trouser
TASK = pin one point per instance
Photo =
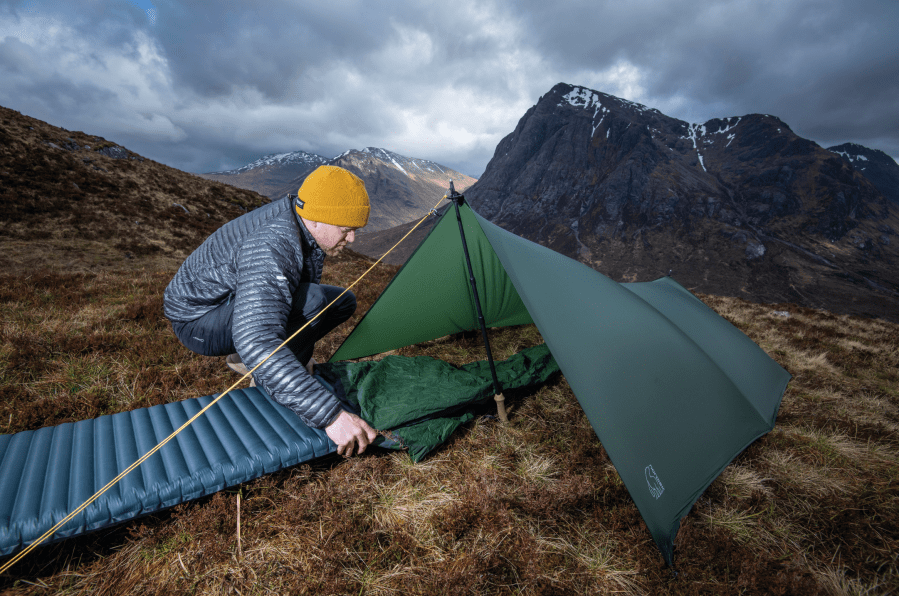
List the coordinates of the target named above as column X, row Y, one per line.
column 211, row 334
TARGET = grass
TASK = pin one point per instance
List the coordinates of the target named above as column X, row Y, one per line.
column 534, row 507
column 67, row 204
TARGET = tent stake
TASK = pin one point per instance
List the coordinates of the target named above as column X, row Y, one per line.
column 457, row 199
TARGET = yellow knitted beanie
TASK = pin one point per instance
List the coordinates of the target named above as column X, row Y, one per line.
column 335, row 196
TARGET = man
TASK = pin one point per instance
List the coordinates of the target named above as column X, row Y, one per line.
column 256, row 280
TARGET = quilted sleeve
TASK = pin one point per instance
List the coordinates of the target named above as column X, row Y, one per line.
column 261, row 308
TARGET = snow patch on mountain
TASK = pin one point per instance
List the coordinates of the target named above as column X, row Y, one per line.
column 729, row 124
column 850, row 156
column 581, row 97
column 280, row 159
column 853, row 153
column 697, row 131
column 600, row 109
column 407, row 165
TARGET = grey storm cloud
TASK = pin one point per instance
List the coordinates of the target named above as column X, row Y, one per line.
column 213, row 85
column 287, row 50
column 829, row 69
column 263, row 46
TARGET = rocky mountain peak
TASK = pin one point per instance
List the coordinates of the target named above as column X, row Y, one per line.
column 588, row 99
column 410, row 166
column 878, row 167
column 635, row 193
column 400, row 188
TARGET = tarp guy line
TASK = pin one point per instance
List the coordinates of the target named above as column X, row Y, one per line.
column 147, row 455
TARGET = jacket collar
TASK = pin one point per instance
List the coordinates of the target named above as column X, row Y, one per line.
column 305, row 235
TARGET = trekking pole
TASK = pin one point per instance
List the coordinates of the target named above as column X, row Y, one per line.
column 457, row 200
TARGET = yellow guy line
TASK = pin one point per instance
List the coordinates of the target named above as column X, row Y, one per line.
column 133, row 466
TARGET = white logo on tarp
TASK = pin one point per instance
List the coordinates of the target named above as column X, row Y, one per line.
column 655, row 485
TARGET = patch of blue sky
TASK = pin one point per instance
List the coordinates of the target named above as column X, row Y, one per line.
column 147, row 7
column 38, row 6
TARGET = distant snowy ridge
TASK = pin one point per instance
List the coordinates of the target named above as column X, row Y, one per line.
column 281, row 159
column 403, row 163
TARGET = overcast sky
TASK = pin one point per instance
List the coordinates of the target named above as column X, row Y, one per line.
column 213, row 85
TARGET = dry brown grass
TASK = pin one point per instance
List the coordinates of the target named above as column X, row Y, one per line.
column 534, row 507
column 69, row 207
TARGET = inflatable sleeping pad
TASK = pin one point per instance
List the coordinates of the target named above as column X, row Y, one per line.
column 47, row 473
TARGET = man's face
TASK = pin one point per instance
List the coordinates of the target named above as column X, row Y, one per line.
column 332, row 239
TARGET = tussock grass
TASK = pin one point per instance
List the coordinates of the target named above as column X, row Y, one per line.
column 804, row 477
column 742, row 482
column 839, row 581
column 745, row 527
column 534, row 507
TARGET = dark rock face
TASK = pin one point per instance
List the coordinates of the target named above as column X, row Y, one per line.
column 878, row 167
column 739, row 206
column 115, row 152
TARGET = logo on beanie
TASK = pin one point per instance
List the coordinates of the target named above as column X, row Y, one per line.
column 293, row 197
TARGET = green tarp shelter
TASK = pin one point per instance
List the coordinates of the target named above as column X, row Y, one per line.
column 673, row 391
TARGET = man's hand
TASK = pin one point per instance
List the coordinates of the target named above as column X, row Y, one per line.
column 347, row 431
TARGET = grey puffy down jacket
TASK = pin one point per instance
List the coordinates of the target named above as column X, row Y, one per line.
column 257, row 260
